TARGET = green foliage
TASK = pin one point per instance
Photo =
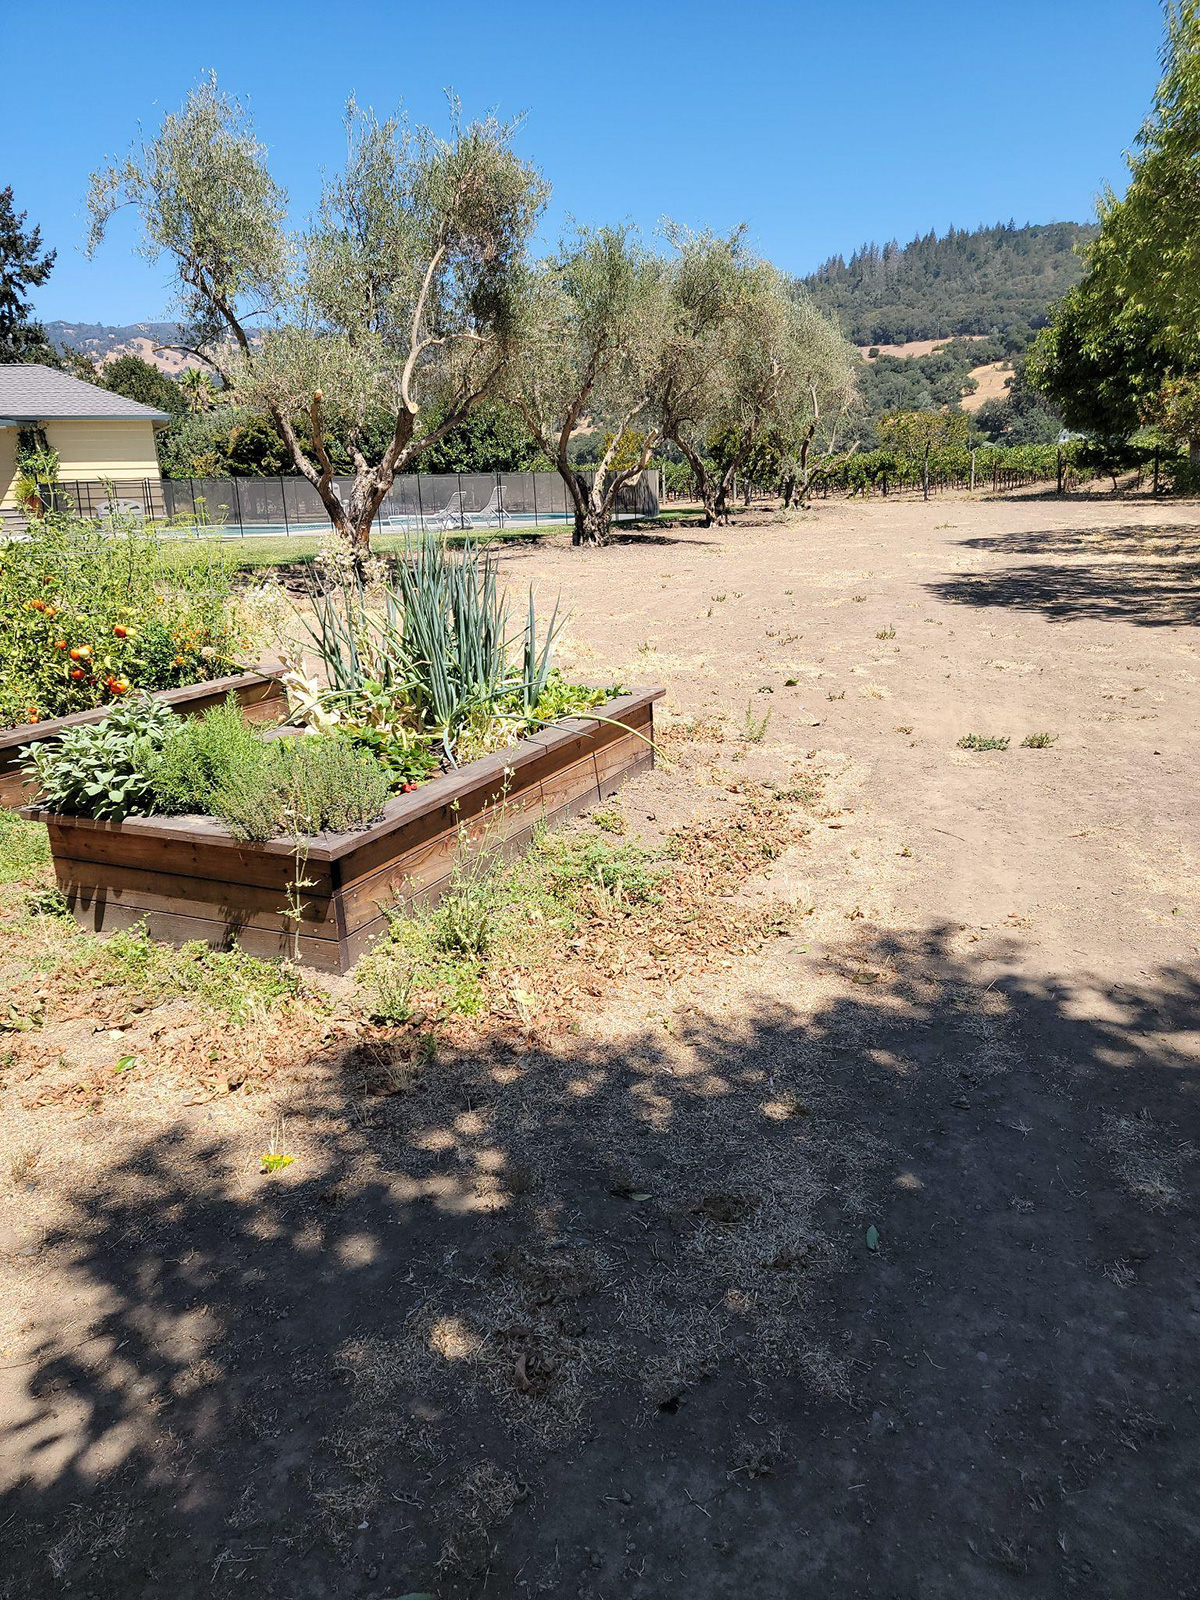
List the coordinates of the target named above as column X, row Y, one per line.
column 135, row 378
column 750, row 368
column 983, row 741
column 621, row 872
column 501, row 919
column 1123, row 342
column 143, row 758
column 235, row 984
column 23, row 266
column 1101, row 362
column 227, row 441
column 560, row 698
column 395, row 303
column 1023, row 415
column 405, row 757
column 609, row 819
column 24, row 847
column 873, row 470
column 1038, row 741
column 998, row 281
column 1175, row 410
column 916, row 434
column 589, row 347
column 1147, row 256
column 300, row 786
column 89, row 613
column 433, row 653
column 198, row 757
column 493, row 438
column 102, row 770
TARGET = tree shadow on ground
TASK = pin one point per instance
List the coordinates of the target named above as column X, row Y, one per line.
column 608, row 1322
column 1159, row 594
column 1135, row 539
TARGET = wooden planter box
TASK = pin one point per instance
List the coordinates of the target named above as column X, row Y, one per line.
column 261, row 696
column 189, row 878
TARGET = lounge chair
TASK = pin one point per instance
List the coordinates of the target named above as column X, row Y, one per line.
column 452, row 515
column 495, row 514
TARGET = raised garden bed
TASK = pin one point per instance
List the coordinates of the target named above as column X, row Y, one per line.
column 189, row 878
column 260, row 694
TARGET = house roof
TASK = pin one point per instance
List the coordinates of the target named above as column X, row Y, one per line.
column 30, row 393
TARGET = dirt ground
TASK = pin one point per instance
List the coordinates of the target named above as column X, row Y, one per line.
column 854, row 1261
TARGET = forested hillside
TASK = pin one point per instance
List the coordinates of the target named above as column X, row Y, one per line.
column 996, row 281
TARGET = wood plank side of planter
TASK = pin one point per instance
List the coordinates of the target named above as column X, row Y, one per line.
column 222, row 860
column 366, row 932
column 93, row 889
column 260, row 695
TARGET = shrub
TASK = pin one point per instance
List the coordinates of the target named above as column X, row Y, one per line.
column 143, row 758
column 199, row 756
column 88, row 614
column 103, row 769
column 301, row 785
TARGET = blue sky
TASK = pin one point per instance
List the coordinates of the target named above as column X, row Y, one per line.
column 820, row 123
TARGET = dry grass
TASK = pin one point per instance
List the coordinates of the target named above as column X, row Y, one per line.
column 1147, row 1158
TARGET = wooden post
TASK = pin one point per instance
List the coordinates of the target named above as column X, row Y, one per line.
column 1060, row 470
column 972, row 471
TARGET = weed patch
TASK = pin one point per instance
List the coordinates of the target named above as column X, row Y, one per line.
column 983, row 741
column 24, row 847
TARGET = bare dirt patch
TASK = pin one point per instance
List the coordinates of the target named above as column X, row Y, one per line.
column 823, row 1229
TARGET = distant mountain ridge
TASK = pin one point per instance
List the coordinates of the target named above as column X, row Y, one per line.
column 998, row 280
column 103, row 343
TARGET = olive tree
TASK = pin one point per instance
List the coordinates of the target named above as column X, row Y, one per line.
column 589, row 356
column 749, row 361
column 387, row 320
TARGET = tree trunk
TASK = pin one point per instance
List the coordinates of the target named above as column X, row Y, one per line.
column 591, row 526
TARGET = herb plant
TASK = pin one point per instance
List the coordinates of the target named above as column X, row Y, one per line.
column 103, row 769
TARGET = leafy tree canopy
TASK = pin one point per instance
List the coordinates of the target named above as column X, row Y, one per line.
column 1131, row 328
column 23, row 266
column 139, row 380
column 396, row 301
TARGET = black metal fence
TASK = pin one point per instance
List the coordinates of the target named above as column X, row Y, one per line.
column 244, row 507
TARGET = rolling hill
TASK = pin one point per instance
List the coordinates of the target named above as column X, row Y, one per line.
column 103, row 343
column 997, row 281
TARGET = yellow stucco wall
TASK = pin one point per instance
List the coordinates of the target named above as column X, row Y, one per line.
column 107, row 449
column 90, row 450
column 8, row 464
